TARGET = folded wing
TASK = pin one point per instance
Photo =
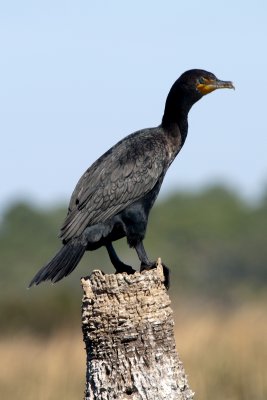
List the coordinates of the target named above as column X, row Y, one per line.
column 123, row 175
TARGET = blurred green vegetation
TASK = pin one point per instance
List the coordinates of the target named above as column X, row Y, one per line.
column 213, row 241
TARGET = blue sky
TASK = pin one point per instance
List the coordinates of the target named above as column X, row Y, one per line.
column 78, row 76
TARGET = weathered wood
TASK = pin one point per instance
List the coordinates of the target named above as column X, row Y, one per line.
column 128, row 333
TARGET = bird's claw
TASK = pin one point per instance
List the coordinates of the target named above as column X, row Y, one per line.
column 124, row 268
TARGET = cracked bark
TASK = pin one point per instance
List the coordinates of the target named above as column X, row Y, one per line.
column 128, row 333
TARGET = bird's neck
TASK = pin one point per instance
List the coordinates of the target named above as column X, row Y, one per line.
column 176, row 127
column 175, row 117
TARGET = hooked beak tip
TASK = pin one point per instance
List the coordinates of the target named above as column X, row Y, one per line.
column 225, row 85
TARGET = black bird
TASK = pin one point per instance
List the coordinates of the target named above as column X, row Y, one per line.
column 114, row 196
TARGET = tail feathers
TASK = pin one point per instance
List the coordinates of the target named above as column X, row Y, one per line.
column 61, row 265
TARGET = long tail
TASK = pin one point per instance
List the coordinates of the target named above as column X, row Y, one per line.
column 61, row 265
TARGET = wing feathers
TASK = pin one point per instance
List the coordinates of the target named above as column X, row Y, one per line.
column 120, row 177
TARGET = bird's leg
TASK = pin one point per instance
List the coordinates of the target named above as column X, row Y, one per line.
column 147, row 265
column 117, row 263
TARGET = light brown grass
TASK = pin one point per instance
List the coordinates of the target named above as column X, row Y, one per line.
column 224, row 354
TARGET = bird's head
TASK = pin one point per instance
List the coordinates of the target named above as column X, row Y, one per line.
column 187, row 90
column 198, row 82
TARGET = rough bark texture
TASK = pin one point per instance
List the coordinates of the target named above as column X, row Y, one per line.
column 128, row 333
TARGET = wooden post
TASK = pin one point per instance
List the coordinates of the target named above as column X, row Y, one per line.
column 129, row 339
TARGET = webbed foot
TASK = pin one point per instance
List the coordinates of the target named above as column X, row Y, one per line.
column 121, row 267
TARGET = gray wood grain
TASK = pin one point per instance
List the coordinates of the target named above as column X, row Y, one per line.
column 128, row 330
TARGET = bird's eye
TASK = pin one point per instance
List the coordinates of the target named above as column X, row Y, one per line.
column 201, row 80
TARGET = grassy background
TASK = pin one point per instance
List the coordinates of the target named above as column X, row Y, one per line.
column 224, row 355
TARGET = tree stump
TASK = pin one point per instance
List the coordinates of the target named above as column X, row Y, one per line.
column 128, row 332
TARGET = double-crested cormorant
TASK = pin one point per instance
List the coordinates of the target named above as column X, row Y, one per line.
column 114, row 196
